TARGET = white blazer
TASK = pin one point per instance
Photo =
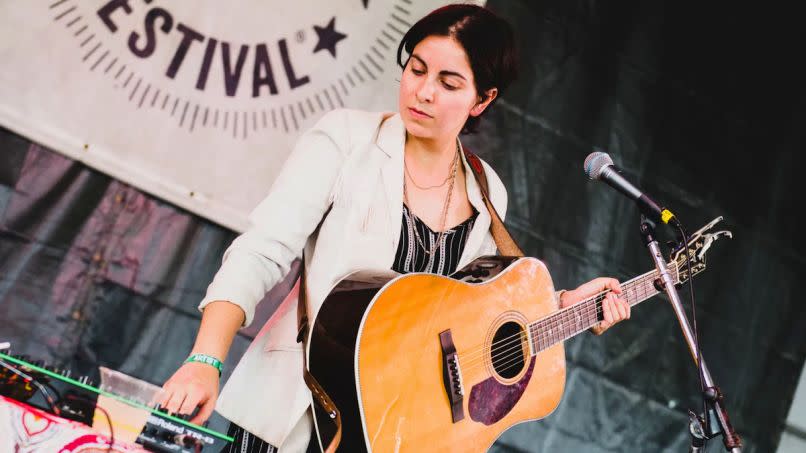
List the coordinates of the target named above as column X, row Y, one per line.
column 350, row 162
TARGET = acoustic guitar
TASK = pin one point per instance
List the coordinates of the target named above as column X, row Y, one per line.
column 424, row 362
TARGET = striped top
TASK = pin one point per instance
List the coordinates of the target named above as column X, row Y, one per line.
column 411, row 257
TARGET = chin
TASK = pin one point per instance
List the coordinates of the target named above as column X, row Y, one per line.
column 416, row 129
column 419, row 131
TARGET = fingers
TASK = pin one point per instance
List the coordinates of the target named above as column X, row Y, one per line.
column 192, row 399
column 167, row 394
column 621, row 308
column 614, row 310
column 174, row 401
column 204, row 412
column 597, row 286
column 192, row 385
column 611, row 284
column 625, row 307
column 607, row 310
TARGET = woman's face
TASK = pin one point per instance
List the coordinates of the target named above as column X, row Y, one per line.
column 437, row 89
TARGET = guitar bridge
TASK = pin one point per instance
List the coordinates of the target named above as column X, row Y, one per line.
column 452, row 375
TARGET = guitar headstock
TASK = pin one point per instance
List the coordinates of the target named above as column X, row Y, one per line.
column 697, row 247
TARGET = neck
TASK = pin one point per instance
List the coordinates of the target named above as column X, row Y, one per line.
column 436, row 153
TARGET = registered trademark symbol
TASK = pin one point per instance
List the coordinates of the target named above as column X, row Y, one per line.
column 301, row 36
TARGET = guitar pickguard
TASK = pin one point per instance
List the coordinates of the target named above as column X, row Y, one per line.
column 490, row 400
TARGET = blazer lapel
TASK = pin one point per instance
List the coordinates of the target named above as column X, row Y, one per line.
column 391, row 140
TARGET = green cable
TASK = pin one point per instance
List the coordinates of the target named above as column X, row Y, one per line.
column 113, row 396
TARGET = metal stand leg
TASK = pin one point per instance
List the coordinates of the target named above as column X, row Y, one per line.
column 716, row 421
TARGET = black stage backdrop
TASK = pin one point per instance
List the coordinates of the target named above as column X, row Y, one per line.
column 699, row 103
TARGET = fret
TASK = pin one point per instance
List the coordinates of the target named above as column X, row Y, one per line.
column 593, row 313
column 577, row 321
column 563, row 326
column 569, row 326
column 639, row 290
column 552, row 330
column 542, row 337
column 540, row 343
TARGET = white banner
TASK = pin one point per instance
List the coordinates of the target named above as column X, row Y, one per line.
column 197, row 102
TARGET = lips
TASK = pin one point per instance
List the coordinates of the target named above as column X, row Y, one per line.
column 419, row 113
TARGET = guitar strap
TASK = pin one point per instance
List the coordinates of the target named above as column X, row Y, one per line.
column 503, row 241
column 319, row 395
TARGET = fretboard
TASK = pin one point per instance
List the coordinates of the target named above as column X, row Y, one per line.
column 580, row 317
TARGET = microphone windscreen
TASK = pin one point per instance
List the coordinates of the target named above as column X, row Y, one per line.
column 595, row 163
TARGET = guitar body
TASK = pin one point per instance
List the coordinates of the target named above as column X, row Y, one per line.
column 383, row 353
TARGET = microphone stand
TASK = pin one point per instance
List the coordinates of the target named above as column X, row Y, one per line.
column 715, row 421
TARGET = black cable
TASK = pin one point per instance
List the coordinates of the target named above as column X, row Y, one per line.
column 111, row 429
column 106, row 414
column 54, row 390
column 48, row 397
column 700, row 373
column 53, row 406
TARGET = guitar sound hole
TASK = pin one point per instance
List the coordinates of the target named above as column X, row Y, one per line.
column 507, row 350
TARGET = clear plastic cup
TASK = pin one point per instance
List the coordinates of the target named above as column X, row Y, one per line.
column 127, row 419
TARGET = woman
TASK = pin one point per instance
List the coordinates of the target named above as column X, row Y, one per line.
column 361, row 190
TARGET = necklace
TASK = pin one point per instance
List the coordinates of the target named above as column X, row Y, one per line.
column 453, row 164
column 452, row 178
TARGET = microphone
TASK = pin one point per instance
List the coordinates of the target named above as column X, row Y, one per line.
column 599, row 165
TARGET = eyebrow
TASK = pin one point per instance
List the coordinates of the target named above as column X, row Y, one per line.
column 447, row 73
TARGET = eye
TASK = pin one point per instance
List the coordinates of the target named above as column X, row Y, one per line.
column 449, row 87
column 417, row 71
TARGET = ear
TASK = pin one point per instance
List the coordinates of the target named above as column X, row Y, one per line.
column 482, row 103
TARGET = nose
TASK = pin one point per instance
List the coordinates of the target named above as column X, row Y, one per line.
column 425, row 92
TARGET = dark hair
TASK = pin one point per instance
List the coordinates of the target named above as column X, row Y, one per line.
column 487, row 39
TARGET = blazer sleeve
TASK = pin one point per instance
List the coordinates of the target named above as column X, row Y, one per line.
column 281, row 224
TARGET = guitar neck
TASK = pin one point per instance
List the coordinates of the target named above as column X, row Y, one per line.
column 573, row 320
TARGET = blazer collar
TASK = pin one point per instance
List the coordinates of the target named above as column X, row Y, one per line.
column 391, row 140
column 392, row 135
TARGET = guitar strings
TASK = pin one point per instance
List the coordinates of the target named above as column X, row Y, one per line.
column 516, row 345
column 627, row 286
column 502, row 364
column 566, row 333
column 513, row 346
column 555, row 320
column 481, row 353
column 514, row 358
column 516, row 341
column 507, row 360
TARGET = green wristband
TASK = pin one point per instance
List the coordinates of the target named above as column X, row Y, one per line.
column 208, row 359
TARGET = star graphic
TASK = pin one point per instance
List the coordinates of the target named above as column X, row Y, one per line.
column 328, row 37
